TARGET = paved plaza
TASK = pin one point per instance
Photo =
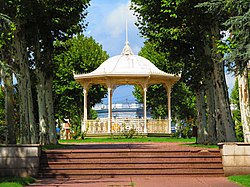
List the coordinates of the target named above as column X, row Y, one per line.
column 147, row 181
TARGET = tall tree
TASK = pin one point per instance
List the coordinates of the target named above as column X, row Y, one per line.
column 235, row 15
column 50, row 20
column 166, row 24
column 189, row 36
column 53, row 21
column 16, row 10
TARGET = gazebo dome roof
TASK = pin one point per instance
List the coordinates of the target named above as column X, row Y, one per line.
column 125, row 69
column 127, row 64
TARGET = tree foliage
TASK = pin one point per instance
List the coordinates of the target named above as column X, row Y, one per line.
column 183, row 100
column 7, row 28
column 235, row 16
column 2, row 116
column 80, row 55
column 234, row 98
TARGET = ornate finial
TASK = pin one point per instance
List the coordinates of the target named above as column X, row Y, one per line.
column 127, row 50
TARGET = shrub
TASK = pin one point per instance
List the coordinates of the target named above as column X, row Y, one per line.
column 129, row 133
column 184, row 130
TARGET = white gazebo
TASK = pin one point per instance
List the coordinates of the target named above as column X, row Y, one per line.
column 126, row 69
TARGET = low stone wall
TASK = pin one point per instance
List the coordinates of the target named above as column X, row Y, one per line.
column 19, row 160
column 235, row 158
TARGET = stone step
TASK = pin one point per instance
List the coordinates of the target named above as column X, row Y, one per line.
column 131, row 155
column 172, row 160
column 117, row 162
column 91, row 176
column 180, row 151
column 146, row 171
column 132, row 165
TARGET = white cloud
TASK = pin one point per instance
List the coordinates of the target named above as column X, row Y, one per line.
column 117, row 18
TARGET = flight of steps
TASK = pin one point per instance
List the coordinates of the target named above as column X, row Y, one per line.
column 79, row 162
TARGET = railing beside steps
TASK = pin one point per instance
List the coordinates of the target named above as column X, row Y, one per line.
column 100, row 126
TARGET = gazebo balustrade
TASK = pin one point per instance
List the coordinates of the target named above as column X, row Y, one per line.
column 100, row 126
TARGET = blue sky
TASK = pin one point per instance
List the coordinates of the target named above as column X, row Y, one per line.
column 106, row 24
column 107, row 20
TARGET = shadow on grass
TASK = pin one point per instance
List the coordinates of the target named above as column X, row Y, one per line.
column 57, row 146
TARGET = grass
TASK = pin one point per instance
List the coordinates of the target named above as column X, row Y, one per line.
column 65, row 143
column 135, row 139
column 244, row 180
column 16, row 182
column 185, row 141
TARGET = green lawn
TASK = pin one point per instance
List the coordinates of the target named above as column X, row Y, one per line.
column 10, row 184
column 65, row 143
column 185, row 141
column 135, row 139
column 244, row 180
column 16, row 182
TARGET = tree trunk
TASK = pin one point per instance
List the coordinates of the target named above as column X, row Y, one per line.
column 201, row 117
column 244, row 104
column 21, row 60
column 211, row 123
column 50, row 111
column 43, row 120
column 45, row 95
column 210, row 96
column 224, row 121
column 9, row 106
column 32, row 122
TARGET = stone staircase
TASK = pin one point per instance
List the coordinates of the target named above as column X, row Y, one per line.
column 111, row 160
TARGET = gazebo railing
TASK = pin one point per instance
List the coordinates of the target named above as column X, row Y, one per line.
column 100, row 126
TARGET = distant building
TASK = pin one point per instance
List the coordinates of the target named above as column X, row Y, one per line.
column 121, row 110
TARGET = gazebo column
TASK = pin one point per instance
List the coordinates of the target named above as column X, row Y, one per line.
column 145, row 109
column 85, row 109
column 109, row 108
column 169, row 108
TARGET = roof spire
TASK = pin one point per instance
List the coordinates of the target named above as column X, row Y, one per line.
column 127, row 50
column 126, row 31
